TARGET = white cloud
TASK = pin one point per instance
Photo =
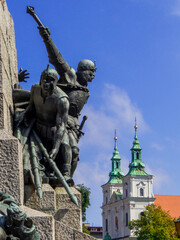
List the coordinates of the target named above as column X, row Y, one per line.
column 98, row 170
column 161, row 179
column 97, row 175
column 115, row 110
column 119, row 104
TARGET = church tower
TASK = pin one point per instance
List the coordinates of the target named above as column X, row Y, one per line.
column 113, row 186
column 125, row 197
column 137, row 186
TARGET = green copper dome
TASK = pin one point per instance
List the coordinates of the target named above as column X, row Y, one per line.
column 107, row 237
column 136, row 167
column 116, row 174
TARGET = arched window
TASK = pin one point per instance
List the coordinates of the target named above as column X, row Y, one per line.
column 106, row 225
column 126, row 193
column 106, row 200
column 117, row 165
column 127, row 219
column 116, row 223
column 137, row 155
column 142, row 214
column 141, row 192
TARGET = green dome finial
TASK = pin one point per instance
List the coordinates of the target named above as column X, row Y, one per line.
column 136, row 167
column 116, row 174
column 136, row 142
column 115, row 139
column 135, row 127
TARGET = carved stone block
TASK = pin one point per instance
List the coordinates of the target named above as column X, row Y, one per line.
column 11, row 171
column 44, row 223
column 67, row 212
column 46, row 204
column 63, row 200
column 68, row 233
column 8, row 67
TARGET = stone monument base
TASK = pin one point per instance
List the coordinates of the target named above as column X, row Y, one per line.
column 44, row 223
column 57, row 203
column 55, row 212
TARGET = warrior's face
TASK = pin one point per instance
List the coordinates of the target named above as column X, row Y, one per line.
column 85, row 71
column 90, row 74
column 48, row 80
column 48, row 84
column 86, row 76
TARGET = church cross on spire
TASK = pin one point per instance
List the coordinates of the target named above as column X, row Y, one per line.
column 116, row 174
column 136, row 167
column 135, row 127
column 115, row 139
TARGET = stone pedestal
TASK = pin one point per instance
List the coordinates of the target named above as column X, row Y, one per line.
column 64, row 232
column 44, row 223
column 8, row 67
column 56, row 202
column 67, row 212
column 46, row 204
column 11, row 167
column 10, row 149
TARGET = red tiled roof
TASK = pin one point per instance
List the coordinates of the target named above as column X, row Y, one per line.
column 169, row 203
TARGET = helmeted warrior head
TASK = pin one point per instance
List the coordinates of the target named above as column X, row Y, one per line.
column 49, row 73
column 86, row 65
column 86, row 71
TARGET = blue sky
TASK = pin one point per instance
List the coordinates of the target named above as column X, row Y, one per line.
column 136, row 44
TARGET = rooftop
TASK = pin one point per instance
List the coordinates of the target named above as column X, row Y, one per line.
column 169, row 203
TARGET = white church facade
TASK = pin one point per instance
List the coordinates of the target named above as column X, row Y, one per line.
column 125, row 196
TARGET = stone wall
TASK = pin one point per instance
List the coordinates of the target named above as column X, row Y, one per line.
column 57, row 203
column 11, row 171
column 67, row 233
column 8, row 67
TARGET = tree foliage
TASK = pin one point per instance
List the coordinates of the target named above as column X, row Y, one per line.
column 85, row 230
column 85, row 200
column 155, row 224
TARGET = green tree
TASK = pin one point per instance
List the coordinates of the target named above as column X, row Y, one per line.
column 85, row 200
column 155, row 224
column 85, row 230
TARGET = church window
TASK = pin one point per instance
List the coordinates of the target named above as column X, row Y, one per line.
column 126, row 193
column 127, row 219
column 116, row 223
column 137, row 155
column 117, row 165
column 142, row 214
column 141, row 192
column 106, row 200
column 106, row 226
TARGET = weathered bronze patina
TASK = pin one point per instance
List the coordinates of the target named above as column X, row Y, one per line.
column 41, row 128
column 73, row 83
column 14, row 224
column 46, row 119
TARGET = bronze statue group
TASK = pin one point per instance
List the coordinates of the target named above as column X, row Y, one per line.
column 48, row 125
column 46, row 122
